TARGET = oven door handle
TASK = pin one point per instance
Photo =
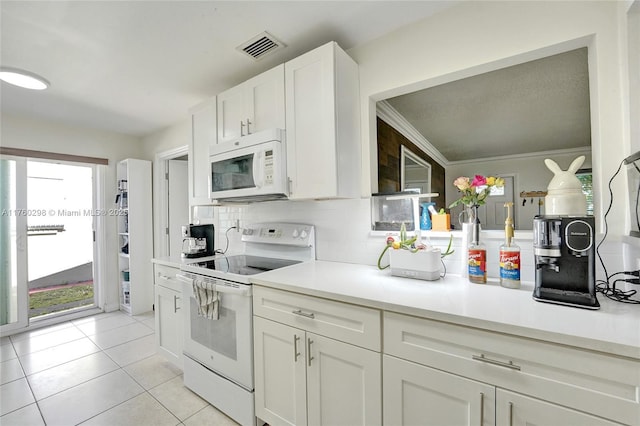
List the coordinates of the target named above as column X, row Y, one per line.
column 184, row 279
column 221, row 287
column 243, row 290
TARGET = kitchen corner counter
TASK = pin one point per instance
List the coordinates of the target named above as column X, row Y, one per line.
column 614, row 328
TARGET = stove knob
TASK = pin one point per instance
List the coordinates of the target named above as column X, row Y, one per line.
column 295, row 233
column 247, row 231
column 303, row 234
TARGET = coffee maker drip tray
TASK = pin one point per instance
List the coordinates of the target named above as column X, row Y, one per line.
column 577, row 299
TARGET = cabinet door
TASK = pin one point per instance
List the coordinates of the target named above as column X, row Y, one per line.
column 280, row 380
column 264, row 101
column 169, row 324
column 514, row 409
column 419, row 395
column 231, row 114
column 203, row 137
column 311, row 124
column 344, row 383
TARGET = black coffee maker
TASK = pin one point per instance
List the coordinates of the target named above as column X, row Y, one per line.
column 564, row 251
column 197, row 241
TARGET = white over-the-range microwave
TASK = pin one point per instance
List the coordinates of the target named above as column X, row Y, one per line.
column 253, row 168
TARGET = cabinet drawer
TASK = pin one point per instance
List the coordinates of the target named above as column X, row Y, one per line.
column 348, row 323
column 166, row 277
column 590, row 381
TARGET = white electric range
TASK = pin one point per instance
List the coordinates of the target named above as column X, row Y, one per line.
column 218, row 363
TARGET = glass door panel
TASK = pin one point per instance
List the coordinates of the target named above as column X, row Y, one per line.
column 13, row 244
column 60, row 231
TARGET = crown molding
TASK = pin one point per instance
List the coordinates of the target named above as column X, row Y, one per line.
column 585, row 150
column 386, row 112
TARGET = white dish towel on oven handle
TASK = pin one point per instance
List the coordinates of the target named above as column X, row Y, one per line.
column 207, row 298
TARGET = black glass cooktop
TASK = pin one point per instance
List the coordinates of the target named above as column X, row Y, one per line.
column 244, row 264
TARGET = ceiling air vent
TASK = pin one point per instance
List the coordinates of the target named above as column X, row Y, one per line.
column 261, row 45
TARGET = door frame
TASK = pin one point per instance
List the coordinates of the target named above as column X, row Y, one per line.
column 99, row 251
column 160, row 198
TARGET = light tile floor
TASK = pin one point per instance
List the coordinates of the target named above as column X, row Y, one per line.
column 101, row 370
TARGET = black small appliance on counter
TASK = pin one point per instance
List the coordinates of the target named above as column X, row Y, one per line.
column 564, row 250
column 197, row 241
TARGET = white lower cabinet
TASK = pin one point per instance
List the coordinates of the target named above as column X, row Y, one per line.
column 305, row 378
column 280, row 373
column 437, row 373
column 418, row 395
column 519, row 410
column 168, row 316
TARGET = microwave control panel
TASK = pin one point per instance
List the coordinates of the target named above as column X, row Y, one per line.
column 268, row 167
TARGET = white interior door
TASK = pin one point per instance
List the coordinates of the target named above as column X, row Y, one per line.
column 177, row 204
column 493, row 214
column 14, row 309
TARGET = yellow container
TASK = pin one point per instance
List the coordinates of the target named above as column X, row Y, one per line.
column 441, row 222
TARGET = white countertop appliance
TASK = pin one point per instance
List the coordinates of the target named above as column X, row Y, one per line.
column 250, row 169
column 218, row 363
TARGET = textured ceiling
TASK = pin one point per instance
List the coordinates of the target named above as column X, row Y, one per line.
column 542, row 105
column 135, row 67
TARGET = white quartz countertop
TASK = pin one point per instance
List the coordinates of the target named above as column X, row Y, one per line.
column 614, row 328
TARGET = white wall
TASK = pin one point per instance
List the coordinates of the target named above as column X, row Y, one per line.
column 18, row 132
column 171, row 137
column 476, row 37
column 530, row 174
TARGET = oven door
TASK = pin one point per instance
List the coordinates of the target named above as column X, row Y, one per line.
column 249, row 171
column 225, row 345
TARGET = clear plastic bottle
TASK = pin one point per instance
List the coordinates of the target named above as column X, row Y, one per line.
column 509, row 255
column 477, row 257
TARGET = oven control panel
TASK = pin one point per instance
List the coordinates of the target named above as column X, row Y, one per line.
column 292, row 234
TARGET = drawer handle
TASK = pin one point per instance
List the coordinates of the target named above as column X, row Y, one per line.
column 509, row 364
column 304, row 314
column 296, row 354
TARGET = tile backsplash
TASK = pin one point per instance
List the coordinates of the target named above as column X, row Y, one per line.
column 343, row 234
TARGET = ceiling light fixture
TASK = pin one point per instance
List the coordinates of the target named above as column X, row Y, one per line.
column 22, row 78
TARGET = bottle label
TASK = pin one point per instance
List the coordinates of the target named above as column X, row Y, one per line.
column 477, row 263
column 510, row 265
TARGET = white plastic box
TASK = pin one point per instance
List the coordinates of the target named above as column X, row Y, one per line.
column 421, row 265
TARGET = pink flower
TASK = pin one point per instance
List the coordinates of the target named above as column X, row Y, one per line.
column 462, row 183
column 478, row 181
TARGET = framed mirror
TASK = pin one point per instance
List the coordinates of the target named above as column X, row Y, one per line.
column 415, row 173
column 503, row 122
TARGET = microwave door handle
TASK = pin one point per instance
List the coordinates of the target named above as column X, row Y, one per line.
column 258, row 170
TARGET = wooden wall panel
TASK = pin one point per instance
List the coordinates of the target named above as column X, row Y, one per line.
column 389, row 142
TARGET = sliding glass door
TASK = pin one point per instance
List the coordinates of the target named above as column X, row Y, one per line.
column 13, row 244
column 47, row 239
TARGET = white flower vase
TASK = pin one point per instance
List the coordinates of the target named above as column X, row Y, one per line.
column 467, row 220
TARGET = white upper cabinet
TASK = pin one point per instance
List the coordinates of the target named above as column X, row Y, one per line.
column 323, row 124
column 255, row 105
column 203, row 122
